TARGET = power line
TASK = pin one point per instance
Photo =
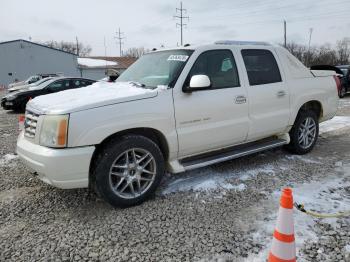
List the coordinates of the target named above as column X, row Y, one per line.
column 181, row 17
column 310, row 35
column 77, row 43
column 119, row 38
column 285, row 33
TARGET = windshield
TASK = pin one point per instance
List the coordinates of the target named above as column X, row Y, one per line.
column 41, row 81
column 159, row 68
column 345, row 71
column 33, row 79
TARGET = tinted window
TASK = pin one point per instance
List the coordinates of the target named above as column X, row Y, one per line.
column 261, row 67
column 59, row 85
column 219, row 66
column 77, row 83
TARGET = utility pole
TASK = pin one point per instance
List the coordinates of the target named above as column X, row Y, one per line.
column 77, row 45
column 308, row 57
column 285, row 33
column 119, row 38
column 181, row 17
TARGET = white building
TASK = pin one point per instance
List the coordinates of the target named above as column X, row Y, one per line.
column 20, row 59
column 95, row 67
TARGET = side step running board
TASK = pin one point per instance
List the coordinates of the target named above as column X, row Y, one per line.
column 230, row 153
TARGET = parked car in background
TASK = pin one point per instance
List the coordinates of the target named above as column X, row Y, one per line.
column 17, row 88
column 345, row 80
column 176, row 110
column 17, row 100
column 33, row 79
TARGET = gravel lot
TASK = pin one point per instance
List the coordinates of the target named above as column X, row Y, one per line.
column 222, row 213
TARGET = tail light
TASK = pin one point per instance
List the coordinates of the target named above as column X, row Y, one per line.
column 21, row 119
column 337, row 81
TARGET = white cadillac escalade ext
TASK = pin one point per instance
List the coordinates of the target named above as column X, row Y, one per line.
column 173, row 111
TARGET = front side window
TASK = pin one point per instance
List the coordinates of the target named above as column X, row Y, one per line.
column 59, row 85
column 158, row 68
column 219, row 66
column 261, row 67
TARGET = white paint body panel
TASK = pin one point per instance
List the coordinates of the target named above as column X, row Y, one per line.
column 62, row 168
column 191, row 123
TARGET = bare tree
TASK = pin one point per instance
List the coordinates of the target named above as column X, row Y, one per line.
column 136, row 52
column 322, row 55
column 71, row 47
column 343, row 50
column 299, row 51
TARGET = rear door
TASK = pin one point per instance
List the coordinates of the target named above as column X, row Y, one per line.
column 268, row 93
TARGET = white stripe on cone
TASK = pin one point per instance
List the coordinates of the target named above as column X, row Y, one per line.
column 283, row 250
column 285, row 221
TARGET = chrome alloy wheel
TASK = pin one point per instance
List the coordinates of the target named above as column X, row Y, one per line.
column 307, row 133
column 132, row 173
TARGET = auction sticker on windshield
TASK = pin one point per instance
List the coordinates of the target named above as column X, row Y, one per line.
column 182, row 58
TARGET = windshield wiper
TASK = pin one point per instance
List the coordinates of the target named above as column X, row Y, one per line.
column 137, row 84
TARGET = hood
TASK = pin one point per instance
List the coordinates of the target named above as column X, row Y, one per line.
column 16, row 88
column 17, row 84
column 95, row 95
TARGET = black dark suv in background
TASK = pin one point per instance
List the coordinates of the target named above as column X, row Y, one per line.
column 17, row 100
column 345, row 80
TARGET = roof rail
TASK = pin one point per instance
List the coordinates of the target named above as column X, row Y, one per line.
column 233, row 42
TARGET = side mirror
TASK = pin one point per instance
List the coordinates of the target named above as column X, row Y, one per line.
column 199, row 82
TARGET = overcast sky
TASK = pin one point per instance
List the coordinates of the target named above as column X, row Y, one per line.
column 151, row 24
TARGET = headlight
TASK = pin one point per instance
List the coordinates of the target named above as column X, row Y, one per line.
column 53, row 131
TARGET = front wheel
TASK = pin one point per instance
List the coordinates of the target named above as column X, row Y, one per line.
column 129, row 170
column 304, row 133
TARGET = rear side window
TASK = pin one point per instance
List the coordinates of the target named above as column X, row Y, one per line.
column 261, row 67
column 219, row 66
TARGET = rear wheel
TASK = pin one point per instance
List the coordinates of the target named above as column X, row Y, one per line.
column 304, row 133
column 129, row 170
column 342, row 92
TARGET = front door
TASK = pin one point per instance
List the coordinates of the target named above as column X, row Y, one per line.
column 217, row 116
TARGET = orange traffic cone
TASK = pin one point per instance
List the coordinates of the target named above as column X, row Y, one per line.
column 283, row 242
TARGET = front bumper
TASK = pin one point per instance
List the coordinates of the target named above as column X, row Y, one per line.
column 62, row 168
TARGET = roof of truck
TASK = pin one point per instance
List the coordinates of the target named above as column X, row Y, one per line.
column 220, row 43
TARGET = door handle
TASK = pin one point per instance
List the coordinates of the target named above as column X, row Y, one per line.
column 281, row 93
column 240, row 99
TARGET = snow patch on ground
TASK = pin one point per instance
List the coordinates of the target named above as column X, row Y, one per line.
column 91, row 62
column 344, row 102
column 205, row 181
column 251, row 173
column 304, row 159
column 210, row 180
column 7, row 159
column 336, row 123
column 327, row 196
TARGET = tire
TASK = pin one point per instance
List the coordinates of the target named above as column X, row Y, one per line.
column 119, row 177
column 342, row 92
column 21, row 107
column 298, row 144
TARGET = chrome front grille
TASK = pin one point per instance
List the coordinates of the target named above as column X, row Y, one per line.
column 30, row 124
